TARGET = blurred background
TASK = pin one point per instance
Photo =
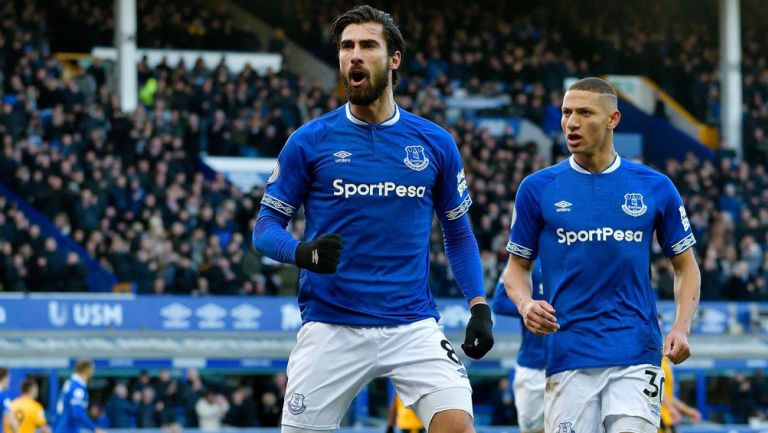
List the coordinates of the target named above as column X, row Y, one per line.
column 136, row 137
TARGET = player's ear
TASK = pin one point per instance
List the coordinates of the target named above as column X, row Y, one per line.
column 613, row 120
column 394, row 60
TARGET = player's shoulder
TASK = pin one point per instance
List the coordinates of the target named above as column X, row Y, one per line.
column 435, row 133
column 645, row 174
column 316, row 128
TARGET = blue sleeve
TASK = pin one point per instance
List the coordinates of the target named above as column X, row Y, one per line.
column 270, row 237
column 452, row 198
column 526, row 222
column 288, row 184
column 501, row 303
column 674, row 230
column 464, row 256
column 81, row 415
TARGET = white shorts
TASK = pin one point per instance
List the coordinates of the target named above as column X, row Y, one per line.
column 529, row 398
column 600, row 399
column 330, row 364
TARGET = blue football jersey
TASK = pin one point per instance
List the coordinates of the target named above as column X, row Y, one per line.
column 5, row 402
column 593, row 234
column 72, row 407
column 531, row 353
column 378, row 186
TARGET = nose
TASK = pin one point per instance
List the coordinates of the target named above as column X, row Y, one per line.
column 572, row 123
column 356, row 58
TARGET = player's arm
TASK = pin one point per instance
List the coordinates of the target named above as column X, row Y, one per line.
column 286, row 189
column 464, row 257
column 685, row 409
column 501, row 304
column 677, row 240
column 452, row 202
column 687, row 287
column 41, row 422
column 391, row 417
column 10, row 420
column 79, row 404
column 538, row 316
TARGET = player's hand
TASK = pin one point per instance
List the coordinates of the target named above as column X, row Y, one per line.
column 539, row 317
column 478, row 339
column 676, row 346
column 99, row 430
column 320, row 255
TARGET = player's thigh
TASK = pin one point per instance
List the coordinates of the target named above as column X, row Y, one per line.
column 420, row 360
column 446, row 411
column 629, row 424
column 529, row 398
column 326, row 369
column 635, row 391
column 572, row 401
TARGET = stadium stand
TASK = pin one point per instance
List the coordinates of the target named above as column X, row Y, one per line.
column 124, row 193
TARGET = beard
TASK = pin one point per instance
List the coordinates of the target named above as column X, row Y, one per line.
column 367, row 93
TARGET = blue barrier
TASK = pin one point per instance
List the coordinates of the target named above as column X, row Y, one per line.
column 242, row 314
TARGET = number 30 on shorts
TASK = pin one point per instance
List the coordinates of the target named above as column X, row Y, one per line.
column 652, row 389
column 445, row 344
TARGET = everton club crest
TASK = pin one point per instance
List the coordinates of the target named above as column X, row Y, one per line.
column 633, row 204
column 415, row 158
column 296, row 403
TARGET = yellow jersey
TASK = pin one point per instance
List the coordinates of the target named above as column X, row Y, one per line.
column 669, row 392
column 406, row 418
column 29, row 414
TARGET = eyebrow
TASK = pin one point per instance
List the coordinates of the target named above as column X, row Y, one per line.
column 580, row 108
column 361, row 41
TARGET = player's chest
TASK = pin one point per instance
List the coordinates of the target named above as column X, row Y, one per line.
column 376, row 159
column 597, row 203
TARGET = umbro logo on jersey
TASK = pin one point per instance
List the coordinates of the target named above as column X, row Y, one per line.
column 342, row 156
column 563, row 206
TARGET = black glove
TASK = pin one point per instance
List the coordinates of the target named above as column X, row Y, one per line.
column 390, row 429
column 479, row 328
column 321, row 255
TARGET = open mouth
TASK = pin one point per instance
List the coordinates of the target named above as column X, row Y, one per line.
column 574, row 139
column 357, row 77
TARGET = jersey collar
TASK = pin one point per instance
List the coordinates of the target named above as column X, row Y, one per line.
column 79, row 379
column 391, row 121
column 611, row 168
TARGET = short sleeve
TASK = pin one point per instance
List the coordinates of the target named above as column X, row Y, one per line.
column 452, row 198
column 674, row 230
column 526, row 222
column 40, row 419
column 288, row 184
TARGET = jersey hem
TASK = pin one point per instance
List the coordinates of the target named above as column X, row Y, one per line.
column 618, row 364
column 388, row 324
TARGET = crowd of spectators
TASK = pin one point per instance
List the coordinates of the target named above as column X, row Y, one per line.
column 128, row 188
column 189, row 24
column 172, row 399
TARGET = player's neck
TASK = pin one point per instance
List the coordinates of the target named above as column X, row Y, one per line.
column 379, row 111
column 596, row 163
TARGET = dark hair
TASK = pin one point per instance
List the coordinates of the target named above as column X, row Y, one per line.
column 27, row 384
column 594, row 85
column 366, row 14
column 82, row 365
column 3, row 372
